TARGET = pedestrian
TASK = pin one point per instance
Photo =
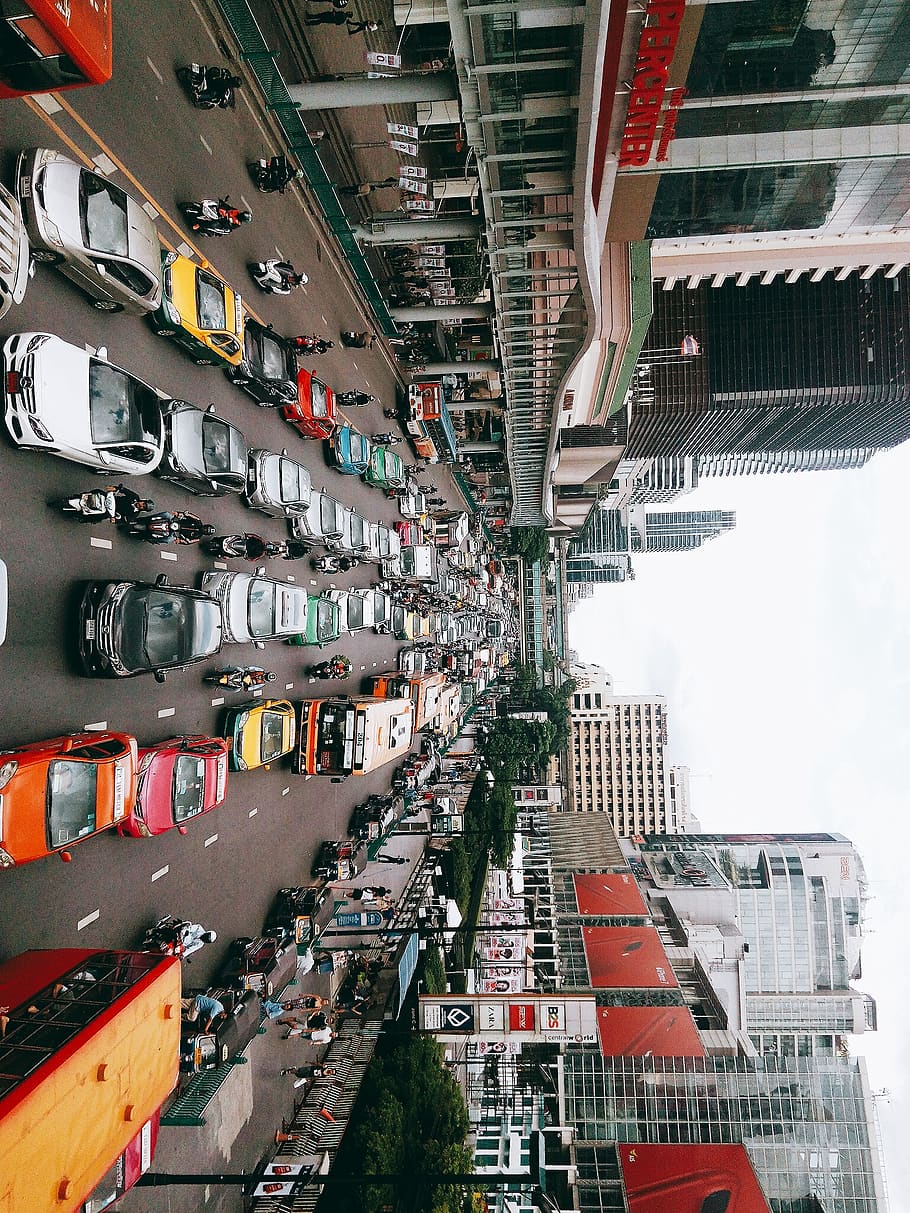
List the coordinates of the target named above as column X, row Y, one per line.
column 309, row 1002
column 331, row 16
column 361, row 27
column 392, row 859
column 369, row 892
column 363, row 188
column 305, row 1073
column 203, row 1008
column 355, row 400
column 316, row 136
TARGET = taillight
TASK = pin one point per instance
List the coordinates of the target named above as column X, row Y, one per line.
column 12, row 382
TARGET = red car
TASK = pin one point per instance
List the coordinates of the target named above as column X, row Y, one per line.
column 410, row 533
column 178, row 779
column 314, row 413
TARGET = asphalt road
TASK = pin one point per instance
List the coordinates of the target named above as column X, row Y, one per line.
column 225, row 870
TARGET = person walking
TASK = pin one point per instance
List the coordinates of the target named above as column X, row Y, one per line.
column 361, row 27
column 363, row 188
column 304, row 1074
column 392, row 859
column 203, row 1008
column 331, row 16
column 369, row 892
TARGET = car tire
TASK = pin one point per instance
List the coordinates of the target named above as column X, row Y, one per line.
column 107, row 305
column 165, row 332
column 46, row 256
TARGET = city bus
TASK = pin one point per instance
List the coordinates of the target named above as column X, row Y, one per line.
column 429, row 424
column 89, row 1051
column 47, row 45
column 425, row 692
column 352, row 735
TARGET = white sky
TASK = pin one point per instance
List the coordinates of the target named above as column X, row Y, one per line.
column 782, row 650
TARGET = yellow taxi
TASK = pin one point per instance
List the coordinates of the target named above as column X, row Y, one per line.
column 199, row 311
column 259, row 732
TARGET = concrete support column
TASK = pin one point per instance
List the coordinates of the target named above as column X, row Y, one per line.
column 480, row 448
column 390, row 90
column 459, row 368
column 452, row 311
column 494, row 403
column 408, row 231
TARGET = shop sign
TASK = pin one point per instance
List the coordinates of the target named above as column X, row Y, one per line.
column 656, row 48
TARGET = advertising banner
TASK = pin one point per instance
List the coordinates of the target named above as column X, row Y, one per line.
column 412, row 170
column 690, row 1179
column 630, row 958
column 501, row 985
column 432, row 250
column 415, row 187
column 407, row 149
column 418, row 204
column 611, row 893
column 648, row 1032
column 513, row 951
column 402, row 128
column 381, row 59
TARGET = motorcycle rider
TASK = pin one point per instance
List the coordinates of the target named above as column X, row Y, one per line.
column 194, row 936
column 358, row 341
column 275, row 174
column 210, row 85
column 164, row 528
column 307, row 343
column 387, row 438
column 354, row 400
column 277, row 277
column 242, row 678
column 337, row 666
column 221, row 218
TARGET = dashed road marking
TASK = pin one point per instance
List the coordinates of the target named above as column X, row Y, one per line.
column 186, row 250
column 291, row 577
column 219, row 564
column 151, row 211
column 363, row 667
column 88, row 920
column 284, row 791
column 324, row 321
column 168, row 555
column 216, row 703
column 289, row 686
column 257, row 691
column 211, row 838
column 281, row 256
column 104, row 164
column 312, row 581
column 162, row 712
column 205, row 143
column 311, row 680
column 246, row 205
column 252, row 812
column 46, row 102
column 98, row 727
column 161, row 872
column 154, row 69
column 97, row 542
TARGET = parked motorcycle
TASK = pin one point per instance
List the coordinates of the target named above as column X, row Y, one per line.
column 338, row 666
column 241, row 678
column 209, row 87
column 276, row 277
column 215, row 216
column 273, row 174
column 176, row 937
column 244, row 547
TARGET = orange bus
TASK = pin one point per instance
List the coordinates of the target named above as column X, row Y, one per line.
column 89, row 1051
column 352, row 735
column 423, row 690
column 47, row 45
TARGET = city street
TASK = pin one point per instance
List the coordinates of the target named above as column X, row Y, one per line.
column 142, row 132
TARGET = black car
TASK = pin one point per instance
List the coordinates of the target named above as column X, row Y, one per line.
column 202, row 453
column 295, row 910
column 376, row 816
column 134, row 627
column 202, row 1051
column 268, row 371
column 266, row 964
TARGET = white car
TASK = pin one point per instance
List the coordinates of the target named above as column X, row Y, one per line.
column 61, row 399
column 257, row 608
column 384, row 543
column 356, row 608
column 354, row 539
column 321, row 522
column 91, row 229
column 382, row 610
column 277, row 484
column 413, row 505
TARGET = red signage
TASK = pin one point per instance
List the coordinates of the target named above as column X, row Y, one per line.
column 656, row 48
column 614, row 893
column 521, row 1016
column 631, row 958
column 690, row 1179
column 648, row 1032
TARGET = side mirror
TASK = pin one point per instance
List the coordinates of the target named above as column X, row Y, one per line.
column 66, row 856
column 182, row 830
column 258, row 644
column 100, row 269
column 161, row 579
column 101, row 352
column 210, row 408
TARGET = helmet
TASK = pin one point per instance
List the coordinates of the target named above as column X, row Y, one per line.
column 234, row 82
column 209, row 936
column 299, row 175
column 147, row 504
column 330, row 345
column 208, row 529
column 245, row 217
column 271, row 676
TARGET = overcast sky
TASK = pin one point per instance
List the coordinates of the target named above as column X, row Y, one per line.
column 782, row 650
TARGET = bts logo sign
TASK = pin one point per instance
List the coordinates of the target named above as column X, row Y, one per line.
column 555, row 1016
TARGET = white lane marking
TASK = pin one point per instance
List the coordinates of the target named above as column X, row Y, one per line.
column 252, row 812
column 47, row 103
column 206, row 145
column 291, row 577
column 184, row 250
column 104, row 164
column 154, row 69
column 374, row 665
column 257, row 692
column 363, row 667
column 311, row 680
column 285, row 791
column 219, row 564
column 98, row 727
column 96, row 542
column 324, row 321
column 281, row 255
column 216, row 703
column 168, row 555
column 162, row 712
column 306, row 777
column 246, row 205
column 88, row 920
column 151, row 211
column 312, row 581
column 161, row 872
column 289, row 686
column 211, row 838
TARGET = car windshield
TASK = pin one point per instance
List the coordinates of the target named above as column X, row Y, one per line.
column 394, row 468
column 162, row 627
column 399, row 618
column 102, row 215
column 261, row 607
column 271, row 359
column 187, row 795
column 121, row 408
column 295, row 481
column 330, row 512
column 71, row 801
column 220, row 445
column 326, row 621
column 271, row 735
column 356, row 608
column 358, row 530
column 384, row 545
column 210, row 305
column 319, row 403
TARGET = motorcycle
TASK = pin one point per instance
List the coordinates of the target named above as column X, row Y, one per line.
column 176, row 937
column 276, row 277
column 273, row 174
column 215, row 216
column 209, row 87
column 244, row 547
column 336, row 564
column 96, row 505
column 338, row 666
column 241, row 678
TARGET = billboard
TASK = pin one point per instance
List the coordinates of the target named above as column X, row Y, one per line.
column 613, row 893
column 627, row 958
column 648, row 1032
column 690, row 1179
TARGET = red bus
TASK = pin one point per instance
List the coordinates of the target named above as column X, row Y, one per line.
column 89, row 1051
column 47, row 45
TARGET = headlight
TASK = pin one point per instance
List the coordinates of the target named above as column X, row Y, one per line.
column 6, row 860
column 241, row 765
column 172, row 314
column 41, row 430
column 7, row 771
column 242, row 720
column 51, row 231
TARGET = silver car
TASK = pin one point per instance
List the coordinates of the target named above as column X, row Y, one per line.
column 277, row 484
column 202, row 453
column 91, row 229
column 354, row 539
column 321, row 522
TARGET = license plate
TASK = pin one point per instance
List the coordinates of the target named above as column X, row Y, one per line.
column 90, row 629
column 25, row 187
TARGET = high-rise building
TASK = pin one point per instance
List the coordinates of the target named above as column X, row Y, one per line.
column 676, row 530
column 810, row 373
